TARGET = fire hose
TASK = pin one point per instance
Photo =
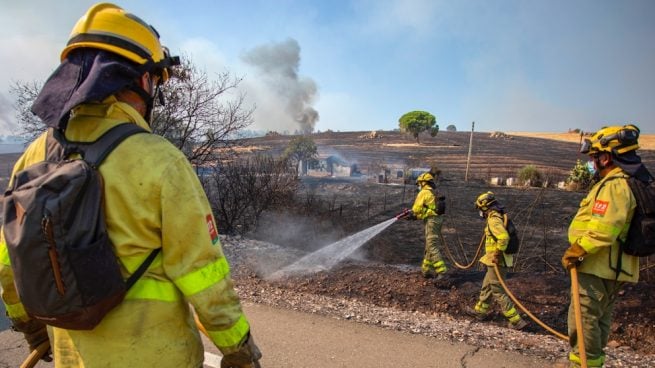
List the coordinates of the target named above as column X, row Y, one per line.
column 452, row 258
column 407, row 213
column 36, row 355
column 575, row 299
column 524, row 309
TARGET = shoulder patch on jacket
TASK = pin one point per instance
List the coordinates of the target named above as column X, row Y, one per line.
column 600, row 207
column 213, row 234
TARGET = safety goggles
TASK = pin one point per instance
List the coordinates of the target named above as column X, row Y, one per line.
column 163, row 67
column 586, row 146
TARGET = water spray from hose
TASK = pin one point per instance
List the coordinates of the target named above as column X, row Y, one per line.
column 329, row 256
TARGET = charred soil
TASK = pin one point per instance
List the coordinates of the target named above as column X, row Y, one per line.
column 385, row 272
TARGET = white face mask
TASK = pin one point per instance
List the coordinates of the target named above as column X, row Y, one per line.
column 481, row 214
column 591, row 167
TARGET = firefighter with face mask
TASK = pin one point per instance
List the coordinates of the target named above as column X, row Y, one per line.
column 496, row 240
column 429, row 208
column 110, row 73
column 595, row 236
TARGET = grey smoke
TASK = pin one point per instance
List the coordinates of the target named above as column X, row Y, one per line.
column 277, row 64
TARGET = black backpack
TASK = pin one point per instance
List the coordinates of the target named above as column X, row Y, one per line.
column 640, row 241
column 65, row 271
column 514, row 240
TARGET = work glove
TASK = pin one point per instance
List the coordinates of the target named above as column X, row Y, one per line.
column 573, row 256
column 35, row 333
column 496, row 257
column 247, row 356
column 410, row 216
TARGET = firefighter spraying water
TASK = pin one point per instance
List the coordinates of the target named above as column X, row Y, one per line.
column 329, row 256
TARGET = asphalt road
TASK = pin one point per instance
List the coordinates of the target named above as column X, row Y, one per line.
column 291, row 339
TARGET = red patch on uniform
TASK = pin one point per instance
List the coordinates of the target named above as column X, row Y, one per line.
column 600, row 207
column 213, row 234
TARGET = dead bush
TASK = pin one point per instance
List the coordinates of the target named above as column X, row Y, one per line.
column 240, row 191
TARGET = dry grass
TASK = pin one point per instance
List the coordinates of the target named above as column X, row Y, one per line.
column 646, row 141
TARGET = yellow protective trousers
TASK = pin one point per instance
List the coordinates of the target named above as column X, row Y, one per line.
column 491, row 291
column 597, row 299
column 432, row 257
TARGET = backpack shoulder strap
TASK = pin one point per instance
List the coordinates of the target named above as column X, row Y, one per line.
column 142, row 269
column 95, row 152
column 610, row 179
column 502, row 216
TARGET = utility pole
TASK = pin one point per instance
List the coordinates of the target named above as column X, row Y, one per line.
column 468, row 158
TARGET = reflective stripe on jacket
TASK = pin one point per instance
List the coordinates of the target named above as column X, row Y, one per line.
column 601, row 221
column 425, row 204
column 153, row 199
column 497, row 242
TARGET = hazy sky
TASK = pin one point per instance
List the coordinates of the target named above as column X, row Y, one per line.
column 522, row 65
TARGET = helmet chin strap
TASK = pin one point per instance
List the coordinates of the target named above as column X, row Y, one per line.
column 599, row 166
column 148, row 99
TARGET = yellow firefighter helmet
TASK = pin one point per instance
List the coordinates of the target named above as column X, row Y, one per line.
column 613, row 139
column 485, row 200
column 425, row 178
column 109, row 27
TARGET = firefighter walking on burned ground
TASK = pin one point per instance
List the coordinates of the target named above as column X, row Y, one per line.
column 496, row 241
column 430, row 208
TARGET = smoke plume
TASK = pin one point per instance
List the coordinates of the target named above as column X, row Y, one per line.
column 277, row 65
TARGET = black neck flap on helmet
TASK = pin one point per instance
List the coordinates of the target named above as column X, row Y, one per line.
column 85, row 75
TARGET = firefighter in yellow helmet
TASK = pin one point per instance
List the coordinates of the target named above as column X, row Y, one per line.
column 496, row 240
column 595, row 236
column 430, row 208
column 109, row 74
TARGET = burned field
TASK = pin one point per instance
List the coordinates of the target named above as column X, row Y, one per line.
column 384, row 272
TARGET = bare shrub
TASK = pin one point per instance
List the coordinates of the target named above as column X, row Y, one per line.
column 201, row 116
column 529, row 175
column 239, row 191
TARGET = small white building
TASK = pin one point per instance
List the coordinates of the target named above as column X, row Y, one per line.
column 331, row 166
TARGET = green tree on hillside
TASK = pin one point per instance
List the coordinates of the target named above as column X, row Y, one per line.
column 416, row 122
column 301, row 149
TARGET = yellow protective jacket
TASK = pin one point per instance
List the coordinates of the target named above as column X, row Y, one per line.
column 603, row 220
column 153, row 199
column 425, row 204
column 496, row 227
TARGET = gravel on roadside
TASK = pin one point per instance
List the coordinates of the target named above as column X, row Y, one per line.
column 245, row 254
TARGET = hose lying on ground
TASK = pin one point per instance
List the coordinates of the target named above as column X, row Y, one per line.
column 524, row 309
column 452, row 258
column 508, row 292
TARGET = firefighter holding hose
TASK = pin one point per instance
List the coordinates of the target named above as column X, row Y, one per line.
column 597, row 233
column 430, row 208
column 496, row 240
